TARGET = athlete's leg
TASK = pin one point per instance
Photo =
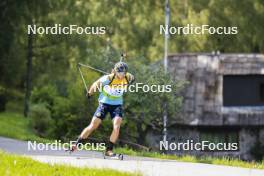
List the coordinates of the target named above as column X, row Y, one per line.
column 94, row 124
column 116, row 113
column 116, row 128
column 114, row 136
column 99, row 115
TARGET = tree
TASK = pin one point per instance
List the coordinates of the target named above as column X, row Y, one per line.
column 145, row 109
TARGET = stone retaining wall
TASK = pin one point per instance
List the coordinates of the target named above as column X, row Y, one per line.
column 203, row 97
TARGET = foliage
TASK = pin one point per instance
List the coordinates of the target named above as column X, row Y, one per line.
column 45, row 94
column 40, row 119
column 146, row 109
column 14, row 125
column 3, row 99
column 132, row 26
column 258, row 151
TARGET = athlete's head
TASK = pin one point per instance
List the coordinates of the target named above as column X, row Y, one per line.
column 120, row 69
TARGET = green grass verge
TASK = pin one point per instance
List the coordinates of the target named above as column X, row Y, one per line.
column 16, row 126
column 187, row 158
column 23, row 166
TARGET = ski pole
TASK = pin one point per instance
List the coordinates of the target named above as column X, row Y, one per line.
column 79, row 68
column 88, row 66
column 123, row 56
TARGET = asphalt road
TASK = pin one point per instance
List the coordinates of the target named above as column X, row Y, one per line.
column 144, row 165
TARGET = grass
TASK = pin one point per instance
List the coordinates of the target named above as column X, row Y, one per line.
column 23, row 166
column 14, row 125
column 188, row 158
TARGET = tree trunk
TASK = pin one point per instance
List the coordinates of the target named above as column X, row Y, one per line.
column 29, row 74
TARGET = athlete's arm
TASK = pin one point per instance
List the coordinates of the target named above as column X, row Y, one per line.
column 130, row 78
column 97, row 85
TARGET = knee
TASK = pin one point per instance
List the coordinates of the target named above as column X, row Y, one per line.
column 116, row 127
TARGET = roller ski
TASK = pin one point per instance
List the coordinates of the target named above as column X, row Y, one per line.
column 111, row 155
column 71, row 149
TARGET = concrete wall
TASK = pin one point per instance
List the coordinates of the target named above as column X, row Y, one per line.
column 248, row 136
column 203, row 97
column 203, row 100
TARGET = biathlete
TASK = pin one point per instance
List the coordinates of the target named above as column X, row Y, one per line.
column 110, row 100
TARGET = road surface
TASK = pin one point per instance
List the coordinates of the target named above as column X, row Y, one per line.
column 144, row 165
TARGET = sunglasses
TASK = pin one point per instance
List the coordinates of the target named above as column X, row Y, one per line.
column 121, row 73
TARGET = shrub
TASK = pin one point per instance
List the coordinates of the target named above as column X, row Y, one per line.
column 44, row 95
column 258, row 151
column 3, row 99
column 40, row 119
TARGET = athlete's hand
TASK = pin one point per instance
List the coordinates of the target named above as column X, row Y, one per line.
column 88, row 95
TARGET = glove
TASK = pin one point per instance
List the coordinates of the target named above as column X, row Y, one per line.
column 88, row 95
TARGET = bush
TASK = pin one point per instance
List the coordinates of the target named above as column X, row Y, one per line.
column 60, row 112
column 3, row 99
column 258, row 151
column 40, row 119
column 65, row 112
column 44, row 95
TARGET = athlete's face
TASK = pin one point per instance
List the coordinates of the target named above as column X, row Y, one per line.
column 120, row 75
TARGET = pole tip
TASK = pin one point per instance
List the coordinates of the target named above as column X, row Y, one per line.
column 123, row 56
